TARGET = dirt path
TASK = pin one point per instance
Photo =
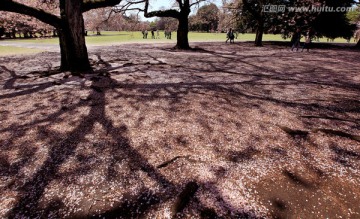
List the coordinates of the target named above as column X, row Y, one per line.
column 226, row 131
column 41, row 46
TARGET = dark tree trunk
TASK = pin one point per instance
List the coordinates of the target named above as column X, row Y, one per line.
column 74, row 56
column 182, row 33
column 259, row 33
column 13, row 33
column 2, row 31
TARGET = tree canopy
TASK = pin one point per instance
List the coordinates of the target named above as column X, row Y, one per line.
column 332, row 25
column 206, row 18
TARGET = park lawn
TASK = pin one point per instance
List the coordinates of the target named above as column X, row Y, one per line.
column 13, row 50
column 123, row 37
column 110, row 37
column 119, row 37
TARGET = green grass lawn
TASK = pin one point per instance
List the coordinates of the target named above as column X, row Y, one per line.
column 109, row 37
column 119, row 37
column 123, row 36
column 13, row 50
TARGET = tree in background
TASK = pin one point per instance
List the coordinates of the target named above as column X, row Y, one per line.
column 252, row 17
column 228, row 16
column 17, row 25
column 69, row 22
column 103, row 19
column 354, row 17
column 333, row 25
column 153, row 25
column 322, row 24
column 180, row 11
column 98, row 19
column 207, row 18
column 252, row 11
column 166, row 23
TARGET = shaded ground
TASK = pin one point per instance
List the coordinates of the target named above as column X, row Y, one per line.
column 229, row 131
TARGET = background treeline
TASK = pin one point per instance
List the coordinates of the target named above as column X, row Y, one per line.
column 244, row 16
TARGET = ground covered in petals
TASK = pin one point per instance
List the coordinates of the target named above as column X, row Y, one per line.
column 228, row 131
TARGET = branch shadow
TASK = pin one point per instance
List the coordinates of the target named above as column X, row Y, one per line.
column 231, row 95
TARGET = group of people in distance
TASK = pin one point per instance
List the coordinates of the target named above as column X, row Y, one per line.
column 295, row 40
column 231, row 35
column 145, row 34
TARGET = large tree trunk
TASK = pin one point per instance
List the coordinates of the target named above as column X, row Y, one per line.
column 74, row 55
column 259, row 33
column 182, row 33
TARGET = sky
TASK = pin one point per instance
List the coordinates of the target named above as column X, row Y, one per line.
column 157, row 4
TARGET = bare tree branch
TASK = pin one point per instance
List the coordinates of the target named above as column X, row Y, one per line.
column 197, row 2
column 167, row 13
column 92, row 4
column 12, row 6
column 128, row 7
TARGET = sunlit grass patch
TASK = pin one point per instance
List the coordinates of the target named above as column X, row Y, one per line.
column 108, row 38
column 13, row 50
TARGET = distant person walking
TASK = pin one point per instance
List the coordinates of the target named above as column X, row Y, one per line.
column 152, row 34
column 145, row 34
column 157, row 34
column 307, row 43
column 295, row 40
column 168, row 34
column 230, row 36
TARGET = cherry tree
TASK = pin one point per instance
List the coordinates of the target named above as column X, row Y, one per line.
column 106, row 19
column 68, row 21
column 14, row 24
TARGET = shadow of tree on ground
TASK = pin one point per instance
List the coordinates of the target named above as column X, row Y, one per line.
column 174, row 133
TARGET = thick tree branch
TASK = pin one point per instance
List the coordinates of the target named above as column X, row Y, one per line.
column 128, row 6
column 196, row 2
column 93, row 4
column 11, row 6
column 167, row 13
